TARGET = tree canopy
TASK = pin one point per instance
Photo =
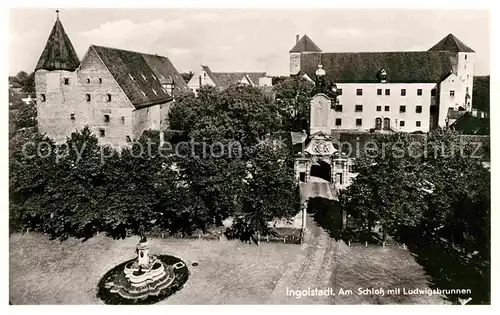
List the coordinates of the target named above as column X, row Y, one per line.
column 292, row 98
column 217, row 165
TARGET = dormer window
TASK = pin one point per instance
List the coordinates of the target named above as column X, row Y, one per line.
column 43, row 98
column 383, row 76
column 88, row 80
column 100, row 80
column 66, row 81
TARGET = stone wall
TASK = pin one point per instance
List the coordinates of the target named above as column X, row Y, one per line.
column 119, row 109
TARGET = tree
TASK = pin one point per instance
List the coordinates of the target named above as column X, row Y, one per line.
column 270, row 190
column 186, row 76
column 32, row 166
column 386, row 190
column 293, row 97
column 26, row 115
column 227, row 127
column 25, row 80
column 74, row 195
column 481, row 93
column 459, row 205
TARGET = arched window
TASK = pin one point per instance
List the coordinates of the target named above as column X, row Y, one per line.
column 387, row 123
column 378, row 123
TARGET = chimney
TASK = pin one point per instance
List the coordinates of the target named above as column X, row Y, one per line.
column 296, row 38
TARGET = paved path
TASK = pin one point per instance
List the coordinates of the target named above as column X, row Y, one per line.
column 317, row 187
column 327, row 264
column 311, row 270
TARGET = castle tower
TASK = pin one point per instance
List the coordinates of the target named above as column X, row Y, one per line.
column 304, row 45
column 56, row 84
column 463, row 58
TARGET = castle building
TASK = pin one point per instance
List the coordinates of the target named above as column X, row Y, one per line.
column 222, row 80
column 405, row 91
column 117, row 93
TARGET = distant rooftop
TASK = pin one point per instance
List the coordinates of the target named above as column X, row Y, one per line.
column 305, row 44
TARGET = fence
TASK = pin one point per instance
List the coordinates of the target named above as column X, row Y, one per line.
column 278, row 235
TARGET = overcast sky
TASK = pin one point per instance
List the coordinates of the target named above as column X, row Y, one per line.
column 245, row 40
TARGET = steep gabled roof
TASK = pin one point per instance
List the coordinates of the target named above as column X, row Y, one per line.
column 305, row 44
column 211, row 75
column 364, row 67
column 254, row 76
column 225, row 79
column 140, row 75
column 58, row 53
column 451, row 43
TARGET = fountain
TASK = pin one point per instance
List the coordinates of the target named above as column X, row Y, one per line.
column 144, row 278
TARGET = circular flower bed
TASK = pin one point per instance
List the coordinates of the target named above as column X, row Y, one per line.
column 180, row 271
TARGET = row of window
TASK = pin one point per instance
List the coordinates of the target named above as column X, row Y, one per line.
column 378, row 123
column 359, row 92
column 402, row 108
column 88, row 97
column 105, row 118
column 66, row 81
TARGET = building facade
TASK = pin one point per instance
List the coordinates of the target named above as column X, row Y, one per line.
column 222, row 80
column 117, row 93
column 397, row 91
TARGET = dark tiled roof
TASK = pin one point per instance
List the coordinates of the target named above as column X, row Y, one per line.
column 364, row 67
column 455, row 114
column 451, row 43
column 470, row 125
column 141, row 75
column 305, row 44
column 166, row 72
column 229, row 78
column 58, row 53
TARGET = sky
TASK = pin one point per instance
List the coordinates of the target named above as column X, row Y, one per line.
column 245, row 40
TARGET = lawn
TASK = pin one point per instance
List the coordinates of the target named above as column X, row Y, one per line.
column 50, row 272
column 228, row 272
